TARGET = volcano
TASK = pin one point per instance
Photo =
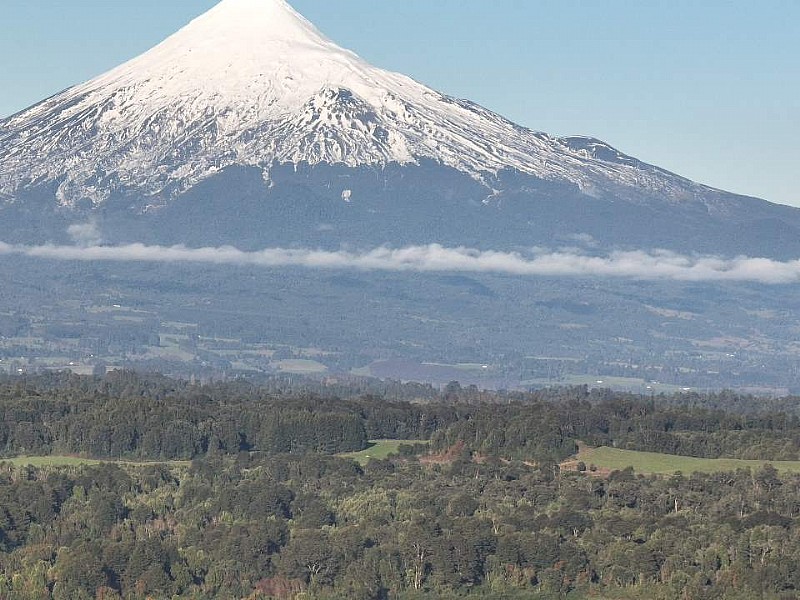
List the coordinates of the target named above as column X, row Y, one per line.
column 250, row 127
column 253, row 83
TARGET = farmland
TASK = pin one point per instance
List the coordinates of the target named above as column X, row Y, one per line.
column 613, row 459
column 378, row 450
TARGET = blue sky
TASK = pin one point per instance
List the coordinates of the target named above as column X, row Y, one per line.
column 708, row 89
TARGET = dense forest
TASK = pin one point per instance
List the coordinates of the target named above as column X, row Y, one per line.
column 136, row 417
column 266, row 508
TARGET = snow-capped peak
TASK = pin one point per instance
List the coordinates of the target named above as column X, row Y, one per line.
column 252, row 82
column 259, row 52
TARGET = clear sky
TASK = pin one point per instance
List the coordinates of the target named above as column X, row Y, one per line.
column 709, row 89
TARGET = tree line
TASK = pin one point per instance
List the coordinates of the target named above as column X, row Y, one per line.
column 149, row 417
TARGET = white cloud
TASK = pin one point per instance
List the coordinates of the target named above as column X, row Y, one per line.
column 85, row 234
column 640, row 265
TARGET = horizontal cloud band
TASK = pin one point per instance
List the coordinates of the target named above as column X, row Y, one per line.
column 656, row 265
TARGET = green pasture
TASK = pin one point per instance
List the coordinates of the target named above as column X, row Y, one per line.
column 301, row 366
column 379, row 449
column 624, row 384
column 655, row 463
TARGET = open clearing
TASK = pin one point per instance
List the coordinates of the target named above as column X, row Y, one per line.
column 301, row 366
column 622, row 384
column 76, row 461
column 614, row 459
column 379, row 449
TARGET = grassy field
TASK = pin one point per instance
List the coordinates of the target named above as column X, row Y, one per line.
column 75, row 461
column 379, row 449
column 475, row 370
column 623, row 384
column 654, row 463
column 301, row 366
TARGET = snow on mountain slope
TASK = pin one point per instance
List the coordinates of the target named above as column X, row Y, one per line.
column 251, row 82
